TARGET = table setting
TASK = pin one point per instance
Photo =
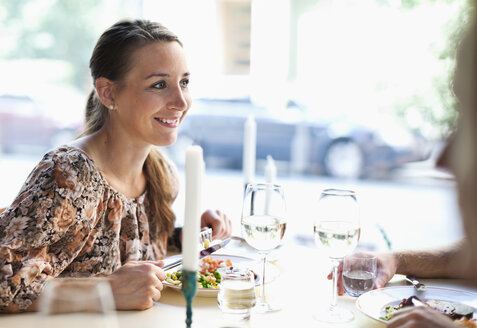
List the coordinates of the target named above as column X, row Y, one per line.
column 254, row 278
column 300, row 295
column 282, row 299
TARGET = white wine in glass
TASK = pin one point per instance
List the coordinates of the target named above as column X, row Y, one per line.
column 336, row 233
column 263, row 227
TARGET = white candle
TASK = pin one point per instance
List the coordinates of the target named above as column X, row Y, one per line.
column 194, row 169
column 270, row 170
column 249, row 149
column 270, row 177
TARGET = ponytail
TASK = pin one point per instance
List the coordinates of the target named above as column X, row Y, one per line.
column 161, row 192
column 96, row 114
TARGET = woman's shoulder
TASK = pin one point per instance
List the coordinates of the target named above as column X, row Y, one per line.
column 64, row 175
column 67, row 155
column 64, row 162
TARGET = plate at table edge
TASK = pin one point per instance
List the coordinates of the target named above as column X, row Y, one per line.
column 271, row 273
column 372, row 303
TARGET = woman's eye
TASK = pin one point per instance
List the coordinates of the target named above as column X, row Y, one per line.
column 184, row 83
column 159, row 85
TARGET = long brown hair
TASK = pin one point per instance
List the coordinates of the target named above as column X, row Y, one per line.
column 111, row 59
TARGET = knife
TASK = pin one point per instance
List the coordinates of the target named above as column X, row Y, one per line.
column 203, row 253
column 418, row 285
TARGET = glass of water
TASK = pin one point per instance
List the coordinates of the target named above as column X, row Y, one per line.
column 263, row 227
column 359, row 273
column 336, row 232
column 236, row 296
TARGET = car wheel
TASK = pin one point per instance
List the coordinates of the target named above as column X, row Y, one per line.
column 344, row 159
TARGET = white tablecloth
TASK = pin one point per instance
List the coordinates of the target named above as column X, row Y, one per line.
column 300, row 288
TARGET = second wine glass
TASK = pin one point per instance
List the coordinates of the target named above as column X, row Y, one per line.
column 263, row 227
column 336, row 231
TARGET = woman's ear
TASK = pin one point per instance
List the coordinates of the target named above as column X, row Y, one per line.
column 104, row 89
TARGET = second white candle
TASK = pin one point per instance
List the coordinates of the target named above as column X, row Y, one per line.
column 194, row 170
column 249, row 149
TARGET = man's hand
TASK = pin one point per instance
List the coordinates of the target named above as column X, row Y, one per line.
column 387, row 264
column 420, row 316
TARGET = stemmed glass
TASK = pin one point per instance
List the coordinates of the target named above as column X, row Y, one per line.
column 77, row 302
column 336, row 232
column 263, row 226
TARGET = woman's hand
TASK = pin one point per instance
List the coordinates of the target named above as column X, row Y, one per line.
column 419, row 316
column 387, row 264
column 219, row 222
column 137, row 284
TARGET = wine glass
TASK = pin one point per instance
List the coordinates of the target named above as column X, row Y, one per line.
column 263, row 226
column 77, row 302
column 336, row 232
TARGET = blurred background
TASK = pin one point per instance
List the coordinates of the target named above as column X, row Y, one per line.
column 344, row 92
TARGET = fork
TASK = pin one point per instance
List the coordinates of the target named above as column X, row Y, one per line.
column 205, row 235
column 419, row 286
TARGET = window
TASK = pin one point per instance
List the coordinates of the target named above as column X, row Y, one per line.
column 236, row 17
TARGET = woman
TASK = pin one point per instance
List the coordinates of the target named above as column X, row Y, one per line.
column 101, row 206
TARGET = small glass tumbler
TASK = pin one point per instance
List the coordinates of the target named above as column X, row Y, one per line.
column 82, row 302
column 359, row 273
column 236, row 296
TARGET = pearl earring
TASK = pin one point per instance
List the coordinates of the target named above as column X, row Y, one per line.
column 111, row 107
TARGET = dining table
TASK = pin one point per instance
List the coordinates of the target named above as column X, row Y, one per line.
column 297, row 282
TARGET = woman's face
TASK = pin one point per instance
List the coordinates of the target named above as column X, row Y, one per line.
column 153, row 98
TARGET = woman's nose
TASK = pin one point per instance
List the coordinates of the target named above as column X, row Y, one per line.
column 179, row 100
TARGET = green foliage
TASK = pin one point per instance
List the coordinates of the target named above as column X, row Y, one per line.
column 54, row 29
column 66, row 30
column 444, row 119
column 411, row 4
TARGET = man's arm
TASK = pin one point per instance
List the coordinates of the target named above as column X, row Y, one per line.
column 449, row 261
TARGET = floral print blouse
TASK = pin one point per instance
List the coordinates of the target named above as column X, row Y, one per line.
column 68, row 221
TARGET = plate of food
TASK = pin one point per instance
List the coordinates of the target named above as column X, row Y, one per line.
column 208, row 277
column 381, row 304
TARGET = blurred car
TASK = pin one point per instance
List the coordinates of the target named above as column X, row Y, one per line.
column 25, row 127
column 335, row 147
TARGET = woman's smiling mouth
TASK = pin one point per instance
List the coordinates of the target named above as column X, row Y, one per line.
column 169, row 122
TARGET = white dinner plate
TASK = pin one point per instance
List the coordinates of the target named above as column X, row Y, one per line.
column 255, row 265
column 374, row 302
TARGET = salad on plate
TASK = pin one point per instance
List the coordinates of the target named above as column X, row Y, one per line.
column 208, row 275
